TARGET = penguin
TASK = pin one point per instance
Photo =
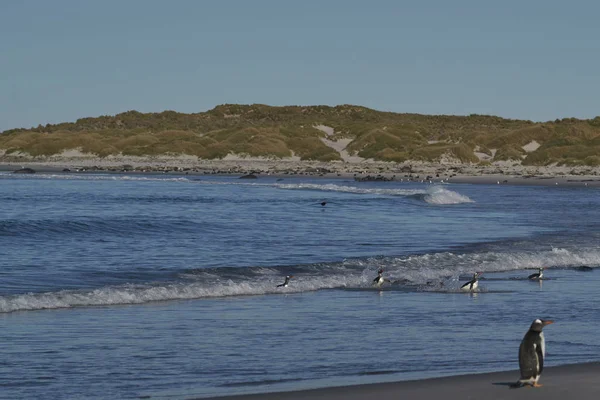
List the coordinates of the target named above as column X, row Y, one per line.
column 472, row 284
column 323, row 203
column 538, row 275
column 532, row 352
column 380, row 280
column 287, row 281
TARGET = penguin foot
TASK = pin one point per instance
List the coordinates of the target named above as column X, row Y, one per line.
column 537, row 385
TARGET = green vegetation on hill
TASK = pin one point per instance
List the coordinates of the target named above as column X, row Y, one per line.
column 279, row 132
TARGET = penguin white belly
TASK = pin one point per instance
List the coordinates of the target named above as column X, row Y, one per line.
column 537, row 361
column 470, row 286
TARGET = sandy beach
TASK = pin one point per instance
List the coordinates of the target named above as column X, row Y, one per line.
column 578, row 381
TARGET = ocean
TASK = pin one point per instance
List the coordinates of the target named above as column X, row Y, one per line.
column 163, row 286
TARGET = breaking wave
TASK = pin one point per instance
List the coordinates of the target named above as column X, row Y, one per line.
column 331, row 187
column 413, row 272
column 96, row 177
column 432, row 195
column 441, row 196
column 436, row 194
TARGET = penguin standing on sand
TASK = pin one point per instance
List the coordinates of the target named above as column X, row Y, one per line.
column 532, row 352
column 287, row 281
column 538, row 275
column 472, row 284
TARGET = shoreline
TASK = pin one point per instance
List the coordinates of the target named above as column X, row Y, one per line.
column 560, row 382
column 364, row 171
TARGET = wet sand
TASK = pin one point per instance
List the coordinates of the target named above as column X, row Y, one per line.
column 578, row 381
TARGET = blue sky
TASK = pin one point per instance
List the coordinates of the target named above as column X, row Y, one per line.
column 65, row 59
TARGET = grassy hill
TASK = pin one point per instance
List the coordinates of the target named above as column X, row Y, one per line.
column 279, row 132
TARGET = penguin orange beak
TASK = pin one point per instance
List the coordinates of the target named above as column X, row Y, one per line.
column 547, row 322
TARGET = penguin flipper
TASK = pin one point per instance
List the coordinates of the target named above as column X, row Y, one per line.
column 540, row 356
column 468, row 285
column 283, row 284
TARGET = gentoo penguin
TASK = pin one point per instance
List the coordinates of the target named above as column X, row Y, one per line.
column 287, row 280
column 472, row 284
column 537, row 275
column 380, row 280
column 531, row 354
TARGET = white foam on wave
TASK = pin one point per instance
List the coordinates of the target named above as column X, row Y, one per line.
column 138, row 294
column 330, row 187
column 97, row 177
column 439, row 266
column 440, row 195
column 433, row 195
column 412, row 270
column 436, row 195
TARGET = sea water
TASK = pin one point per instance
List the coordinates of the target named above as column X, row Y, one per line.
column 164, row 286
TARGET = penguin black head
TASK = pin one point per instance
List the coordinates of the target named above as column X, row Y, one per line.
column 380, row 271
column 323, row 203
column 538, row 324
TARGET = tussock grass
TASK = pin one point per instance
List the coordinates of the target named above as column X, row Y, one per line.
column 261, row 130
column 509, row 152
column 436, row 152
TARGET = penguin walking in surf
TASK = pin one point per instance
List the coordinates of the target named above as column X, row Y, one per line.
column 532, row 352
column 538, row 275
column 379, row 279
column 472, row 284
column 287, row 281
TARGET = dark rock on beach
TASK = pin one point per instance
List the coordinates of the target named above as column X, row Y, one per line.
column 24, row 171
column 249, row 176
column 378, row 178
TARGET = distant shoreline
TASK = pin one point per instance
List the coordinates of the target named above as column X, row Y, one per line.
column 413, row 171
